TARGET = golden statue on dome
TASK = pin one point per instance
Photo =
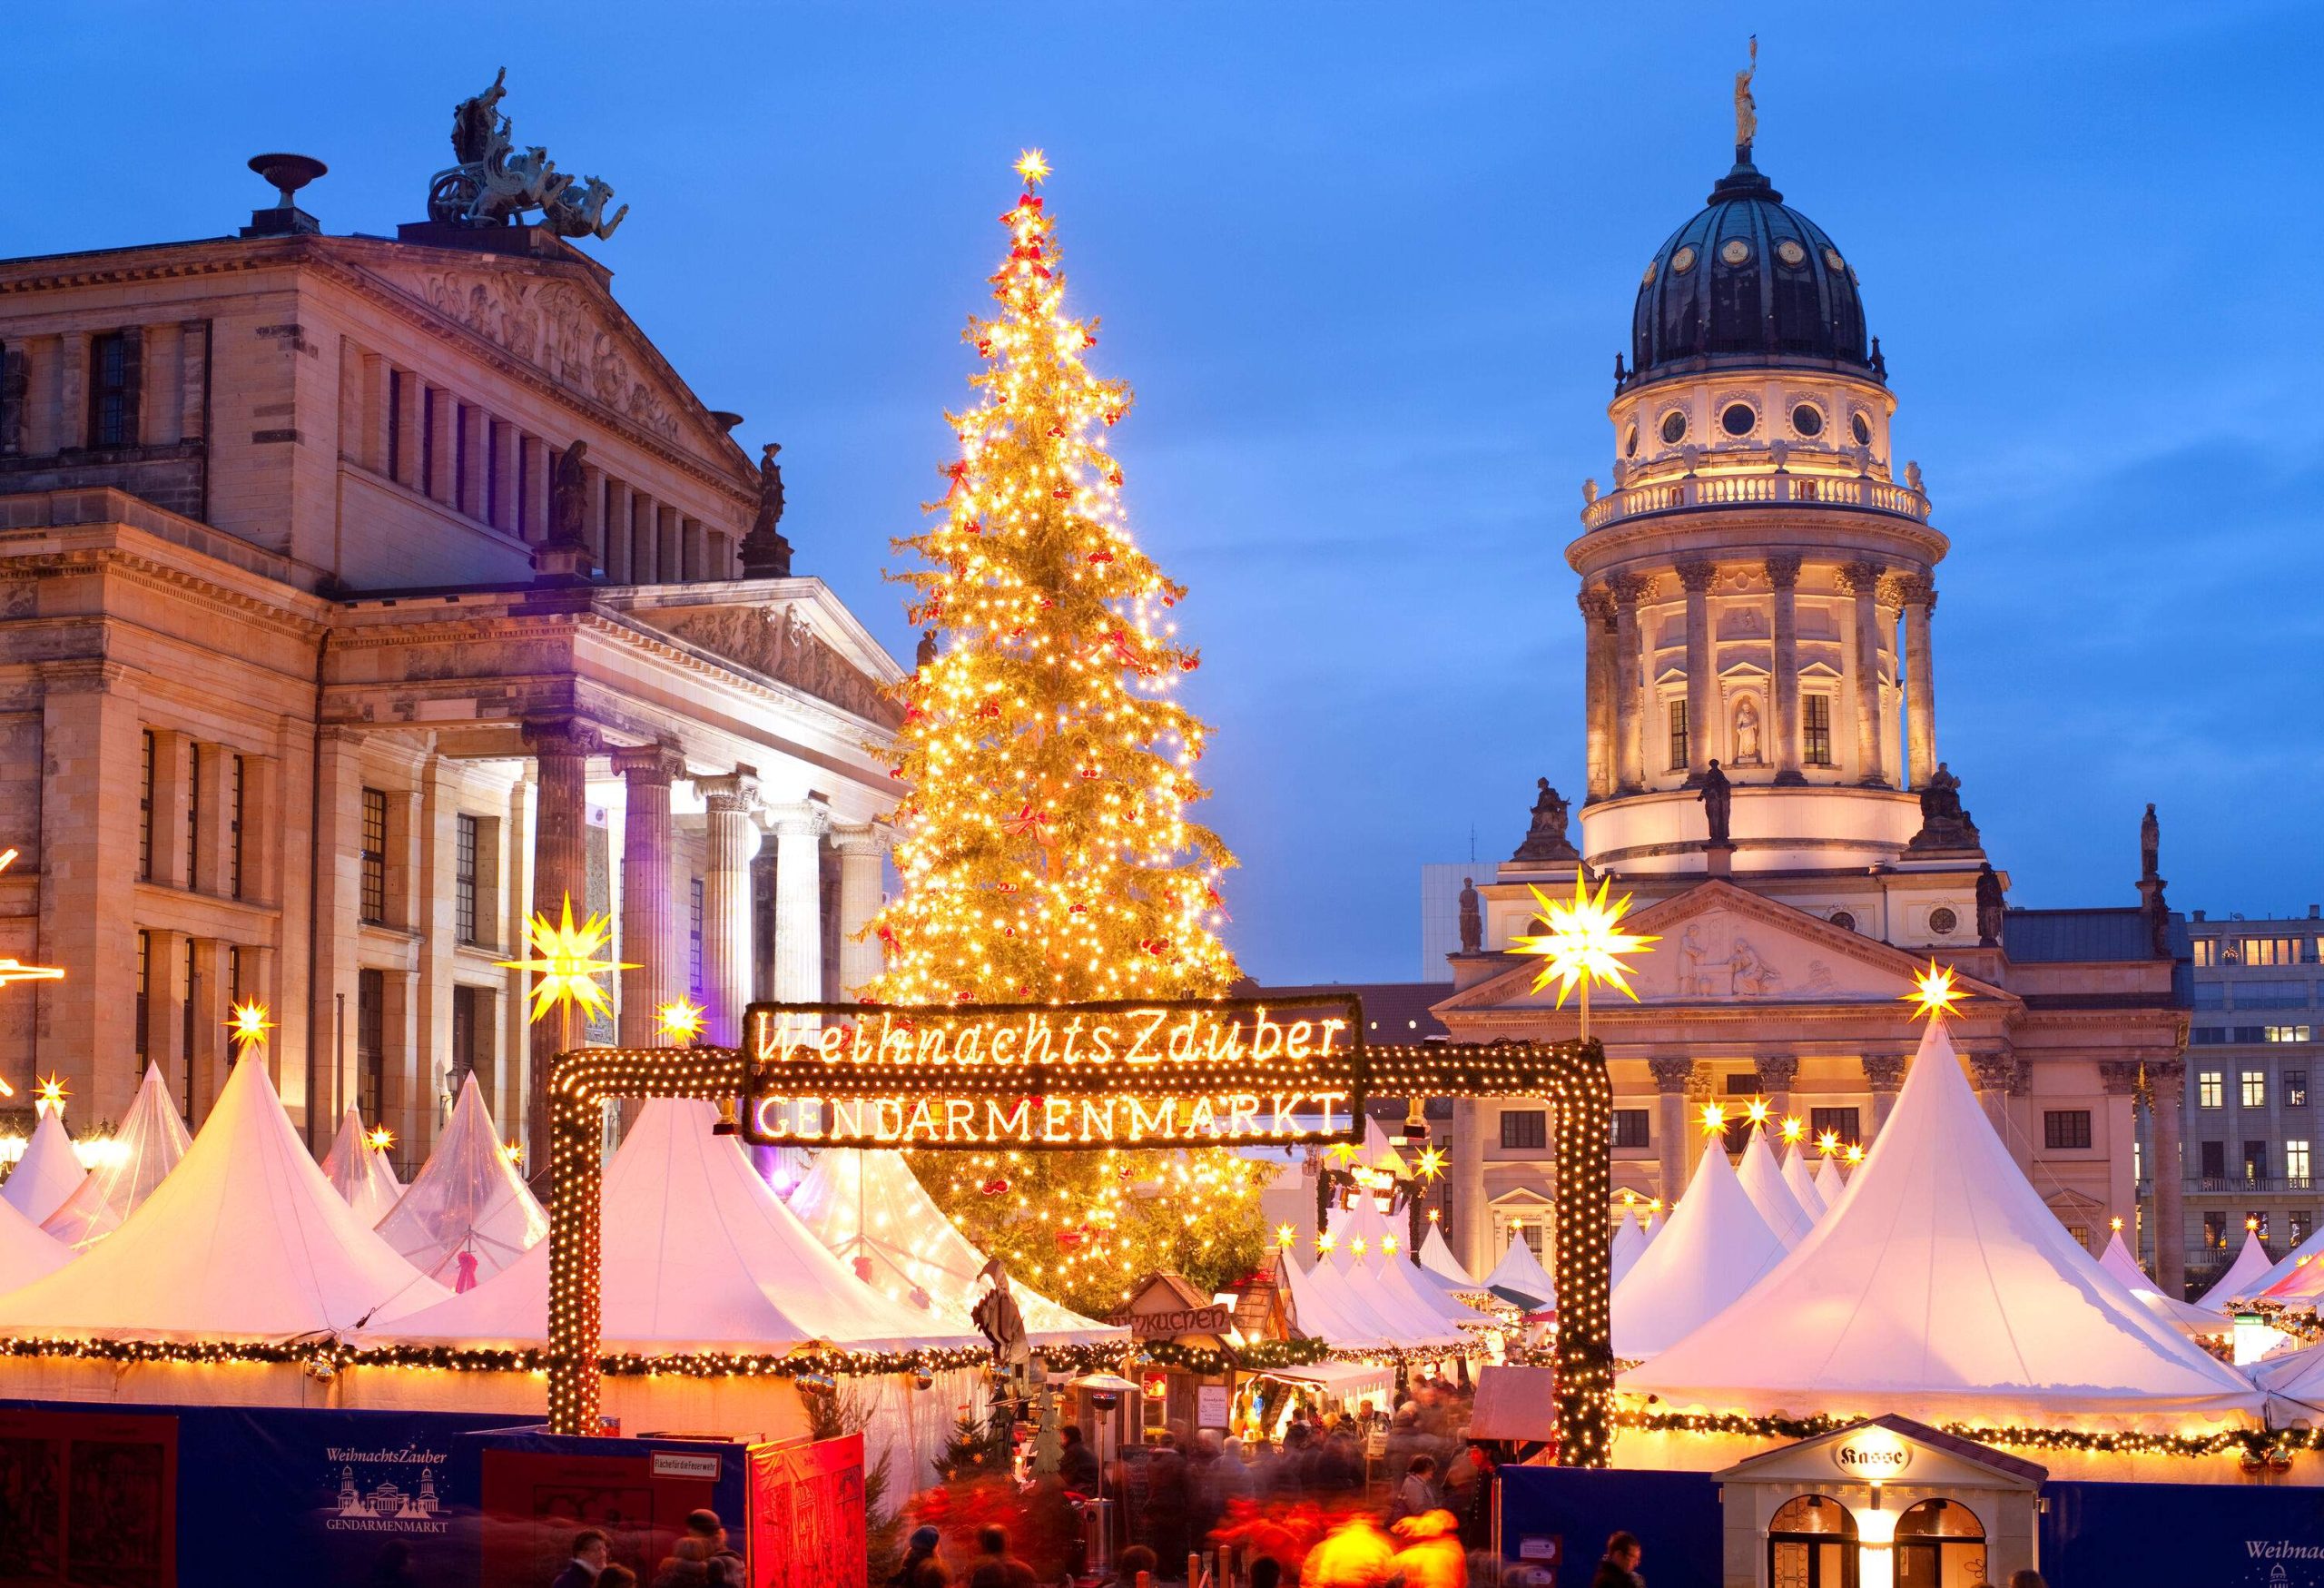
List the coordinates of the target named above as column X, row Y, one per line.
column 1746, row 109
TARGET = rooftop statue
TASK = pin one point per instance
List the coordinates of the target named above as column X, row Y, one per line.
column 1545, row 838
column 494, row 184
column 1746, row 109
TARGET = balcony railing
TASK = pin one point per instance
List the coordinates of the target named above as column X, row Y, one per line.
column 2237, row 1185
column 1720, row 490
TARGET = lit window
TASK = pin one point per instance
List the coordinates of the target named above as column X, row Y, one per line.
column 2206, row 952
column 2255, row 1089
column 2210, row 1090
column 2296, row 1089
column 2287, row 1033
column 2296, row 1165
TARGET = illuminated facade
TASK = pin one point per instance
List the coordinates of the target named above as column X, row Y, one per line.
column 1761, row 769
column 328, row 657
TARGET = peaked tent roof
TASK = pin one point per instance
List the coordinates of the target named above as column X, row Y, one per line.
column 1762, row 1180
column 1943, row 1287
column 1520, row 1274
column 244, row 1240
column 26, row 1254
column 1386, row 1275
column 1829, row 1183
column 1438, row 1258
column 49, row 1172
column 466, row 1197
column 871, row 1210
column 358, row 1171
column 1802, row 1184
column 149, row 1143
column 1630, row 1245
column 1714, row 1246
column 2241, row 1275
column 698, row 1254
column 1316, row 1312
column 2116, row 1259
column 2298, row 1260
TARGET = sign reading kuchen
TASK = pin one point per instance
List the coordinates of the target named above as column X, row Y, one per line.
column 1194, row 1073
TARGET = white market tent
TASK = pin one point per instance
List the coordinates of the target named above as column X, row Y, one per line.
column 149, row 1143
column 1828, row 1183
column 1437, row 1258
column 26, row 1254
column 698, row 1254
column 1316, row 1312
column 1519, row 1277
column 1384, row 1275
column 1943, row 1287
column 2116, row 1259
column 872, row 1212
column 466, row 1202
column 1630, row 1245
column 49, row 1172
column 1714, row 1246
column 243, row 1240
column 358, row 1171
column 1762, row 1181
column 1801, row 1182
column 2296, row 1260
column 2242, row 1275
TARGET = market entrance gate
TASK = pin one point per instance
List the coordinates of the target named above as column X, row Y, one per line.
column 1064, row 1078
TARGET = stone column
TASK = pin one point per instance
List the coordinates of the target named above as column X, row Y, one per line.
column 1783, row 703
column 1702, row 687
column 1698, row 1094
column 2118, row 1132
column 1673, row 1078
column 1776, row 1077
column 1919, row 592
column 799, row 900
column 860, row 849
column 1630, row 750
column 2166, row 1082
column 1885, row 1074
column 561, row 748
column 1598, row 698
column 649, row 912
column 1862, row 579
column 726, row 899
column 1471, row 1239
column 471, row 459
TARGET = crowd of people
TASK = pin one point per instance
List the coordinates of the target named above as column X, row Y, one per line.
column 699, row 1557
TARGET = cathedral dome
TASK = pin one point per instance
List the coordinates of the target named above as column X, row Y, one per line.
column 1748, row 282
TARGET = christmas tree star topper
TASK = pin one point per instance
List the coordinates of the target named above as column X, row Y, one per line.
column 1032, row 165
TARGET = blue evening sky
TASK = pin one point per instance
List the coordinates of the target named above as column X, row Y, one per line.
column 1367, row 267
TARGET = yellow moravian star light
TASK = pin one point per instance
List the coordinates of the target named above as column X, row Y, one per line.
column 1934, row 992
column 1756, row 1110
column 566, row 961
column 52, row 1093
column 1794, row 1128
column 680, row 1019
column 248, row 1024
column 1430, row 1164
column 1584, row 942
column 1829, row 1143
column 1032, row 165
column 1286, row 1234
column 1856, row 1152
column 381, row 1139
column 1714, row 1118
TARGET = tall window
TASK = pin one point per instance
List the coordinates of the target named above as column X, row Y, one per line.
column 470, row 1043
column 1815, row 729
column 371, row 1042
column 2255, row 1160
column 2271, row 951
column 113, row 392
column 2255, row 1089
column 693, row 941
column 1524, row 1129
column 2296, row 1164
column 145, row 993
column 145, row 814
column 394, row 424
column 2214, row 1231
column 1678, row 735
column 1840, row 1122
column 460, row 459
column 491, row 513
column 185, row 1038
column 1630, row 1127
column 375, row 855
column 2210, row 1090
column 464, row 876
column 2287, row 1033
column 2206, row 952
column 237, row 782
column 193, row 816
column 2214, row 1160
column 2065, row 1129
column 2296, row 1089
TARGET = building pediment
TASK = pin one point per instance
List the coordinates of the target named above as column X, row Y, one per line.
column 1721, row 945
column 790, row 631
column 558, row 320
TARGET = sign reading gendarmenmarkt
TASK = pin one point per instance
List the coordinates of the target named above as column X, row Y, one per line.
column 1193, row 1073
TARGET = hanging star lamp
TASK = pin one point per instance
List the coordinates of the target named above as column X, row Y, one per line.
column 1934, row 994
column 566, row 961
column 247, row 1025
column 1584, row 943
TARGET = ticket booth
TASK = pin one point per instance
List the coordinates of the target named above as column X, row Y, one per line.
column 1886, row 1503
column 1166, row 1307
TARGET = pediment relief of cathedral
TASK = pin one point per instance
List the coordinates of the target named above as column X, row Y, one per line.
column 571, row 334
column 1723, row 945
column 779, row 642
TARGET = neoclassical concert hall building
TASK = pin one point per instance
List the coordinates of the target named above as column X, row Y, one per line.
column 362, row 596
column 1758, row 592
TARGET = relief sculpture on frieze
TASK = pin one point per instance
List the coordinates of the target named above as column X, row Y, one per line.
column 780, row 643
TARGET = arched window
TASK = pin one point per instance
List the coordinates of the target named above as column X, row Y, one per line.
column 1940, row 1543
column 1811, row 1543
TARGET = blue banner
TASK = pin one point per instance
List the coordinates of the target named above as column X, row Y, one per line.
column 2218, row 1535
column 1555, row 1521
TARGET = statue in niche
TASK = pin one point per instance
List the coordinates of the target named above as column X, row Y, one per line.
column 1747, row 733
column 569, row 497
column 1989, row 907
column 1473, row 920
column 1718, row 803
column 1748, row 974
column 1546, row 838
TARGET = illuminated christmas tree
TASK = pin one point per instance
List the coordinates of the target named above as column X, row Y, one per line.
column 1044, row 848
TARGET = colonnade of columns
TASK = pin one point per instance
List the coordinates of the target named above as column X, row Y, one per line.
column 1619, row 690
